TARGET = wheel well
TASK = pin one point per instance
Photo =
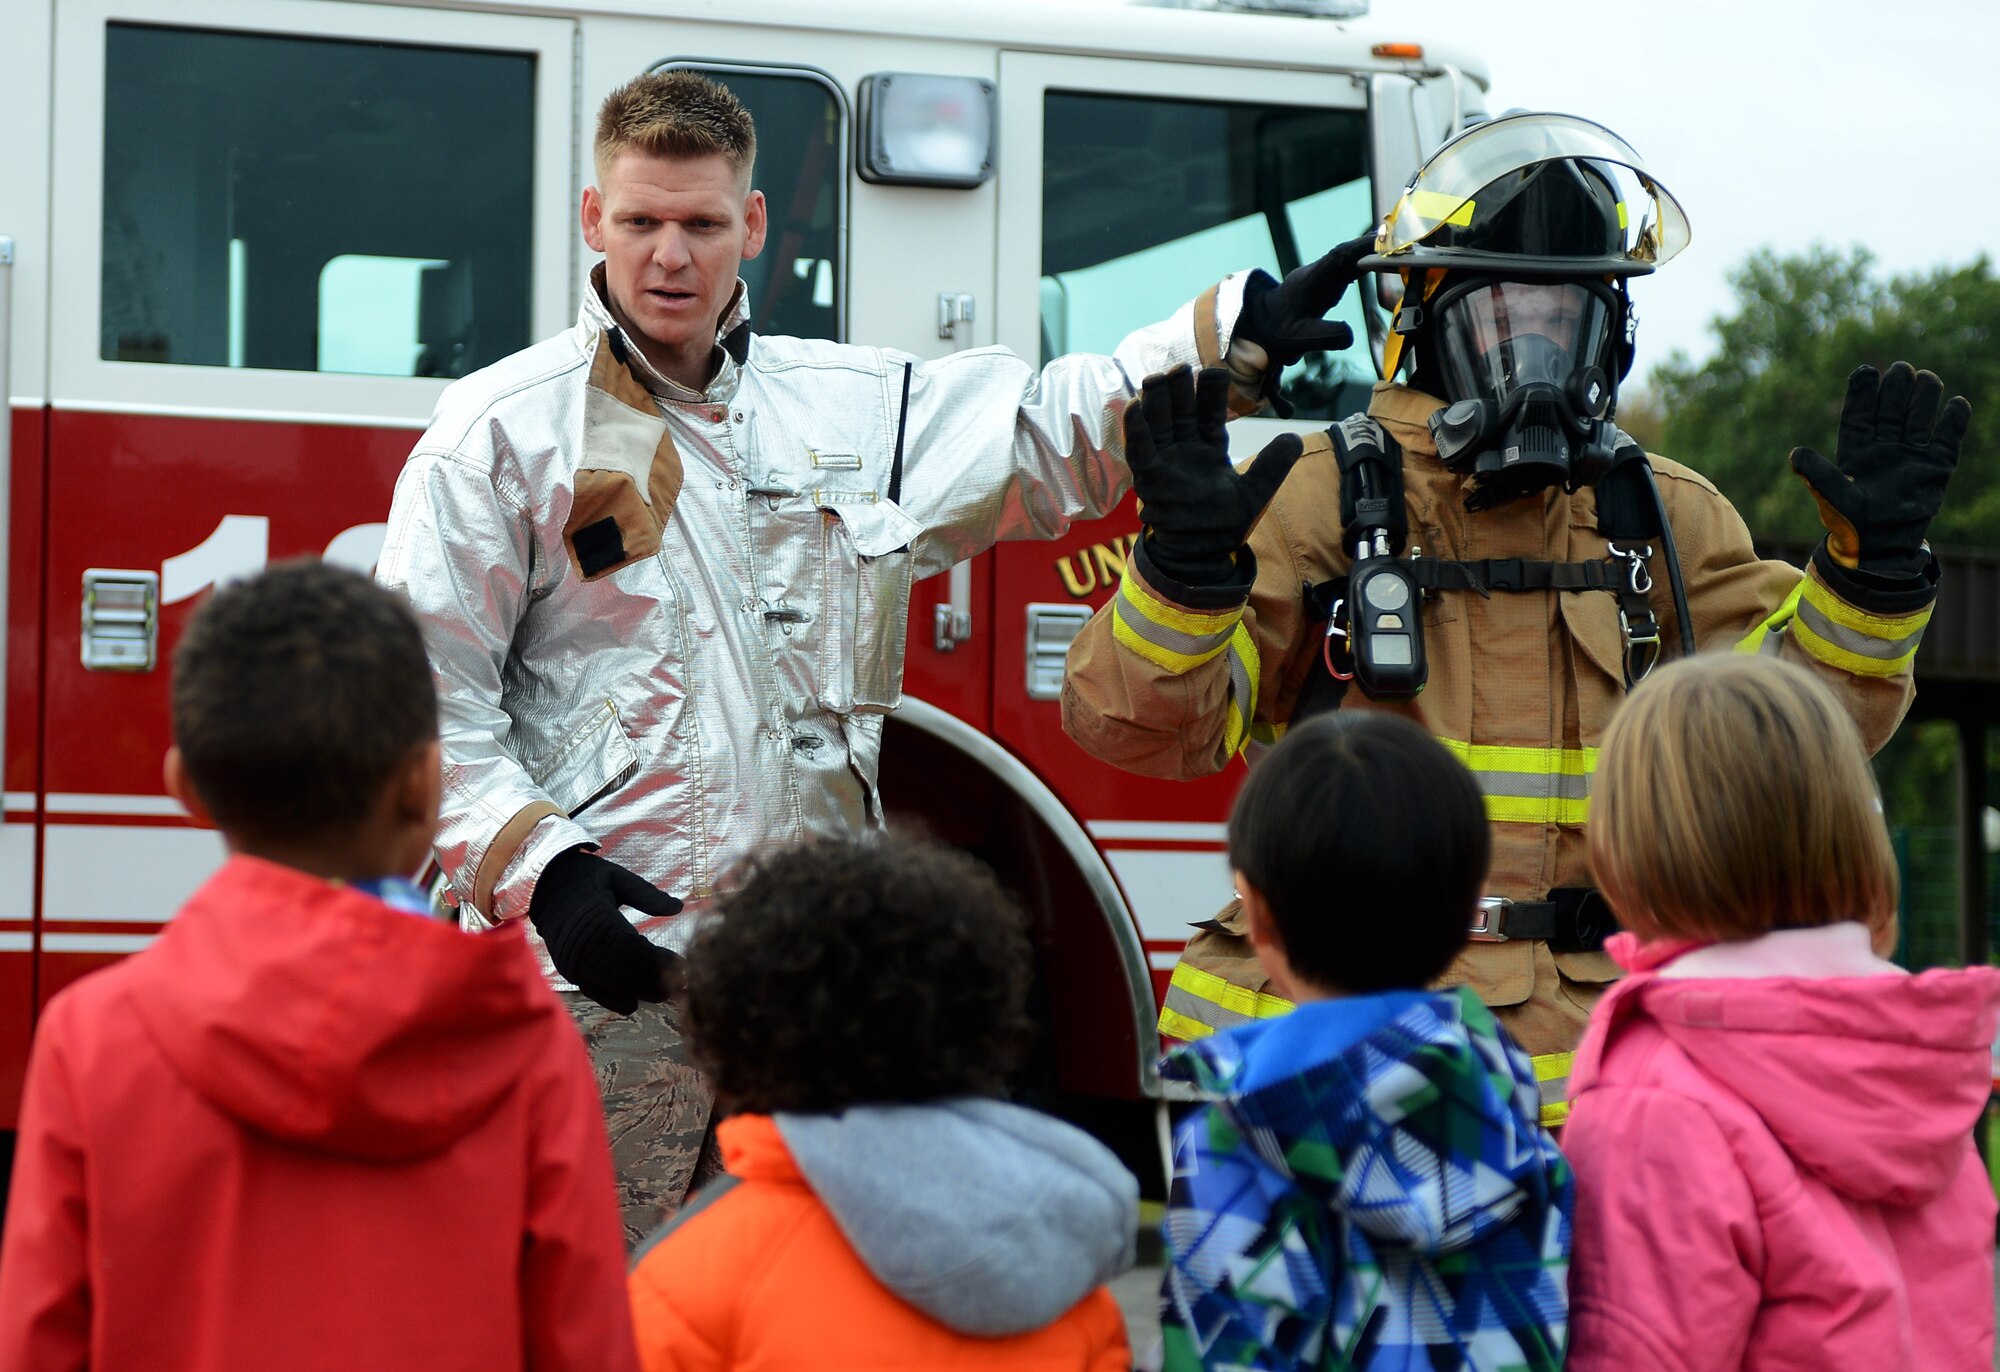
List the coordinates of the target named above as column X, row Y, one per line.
column 1095, row 1051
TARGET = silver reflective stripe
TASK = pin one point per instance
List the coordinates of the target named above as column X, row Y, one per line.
column 1553, row 1091
column 1239, row 682
column 1534, row 785
column 1191, row 1006
column 1853, row 640
column 1173, row 640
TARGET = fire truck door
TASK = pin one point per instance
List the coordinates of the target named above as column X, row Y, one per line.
column 1131, row 187
column 281, row 230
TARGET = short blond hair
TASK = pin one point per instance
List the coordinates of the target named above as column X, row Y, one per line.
column 675, row 114
column 1733, row 796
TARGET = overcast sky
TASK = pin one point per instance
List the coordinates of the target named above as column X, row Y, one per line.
column 1774, row 122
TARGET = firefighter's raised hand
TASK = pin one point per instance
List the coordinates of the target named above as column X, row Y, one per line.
column 575, row 908
column 1283, row 321
column 1898, row 443
column 1198, row 510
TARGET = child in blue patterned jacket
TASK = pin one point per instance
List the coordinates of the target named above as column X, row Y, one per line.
column 1367, row 1185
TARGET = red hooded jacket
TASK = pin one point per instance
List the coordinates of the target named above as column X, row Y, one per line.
column 302, row 1131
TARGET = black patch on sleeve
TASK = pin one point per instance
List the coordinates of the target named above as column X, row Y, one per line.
column 599, row 546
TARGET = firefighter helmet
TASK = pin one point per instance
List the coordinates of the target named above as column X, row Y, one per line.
column 1527, row 197
column 1530, row 195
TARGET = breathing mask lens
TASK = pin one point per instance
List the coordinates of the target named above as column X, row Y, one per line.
column 1524, row 367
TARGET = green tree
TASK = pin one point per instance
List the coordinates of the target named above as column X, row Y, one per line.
column 1803, row 322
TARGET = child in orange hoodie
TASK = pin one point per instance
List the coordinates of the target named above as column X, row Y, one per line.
column 859, row 1007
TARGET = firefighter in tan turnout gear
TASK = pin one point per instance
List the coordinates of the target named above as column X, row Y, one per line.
column 1484, row 535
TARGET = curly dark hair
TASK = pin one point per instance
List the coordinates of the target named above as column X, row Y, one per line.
column 296, row 695
column 848, row 972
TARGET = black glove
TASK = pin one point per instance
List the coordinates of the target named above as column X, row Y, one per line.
column 1895, row 456
column 575, row 910
column 1287, row 319
column 1198, row 511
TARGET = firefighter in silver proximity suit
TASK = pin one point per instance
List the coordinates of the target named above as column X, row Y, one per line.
column 667, row 622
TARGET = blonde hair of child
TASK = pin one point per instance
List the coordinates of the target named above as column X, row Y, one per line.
column 1733, row 796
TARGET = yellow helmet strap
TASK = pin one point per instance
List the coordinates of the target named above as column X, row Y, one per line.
column 1392, row 346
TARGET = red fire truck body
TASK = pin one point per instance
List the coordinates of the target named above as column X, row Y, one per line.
column 244, row 247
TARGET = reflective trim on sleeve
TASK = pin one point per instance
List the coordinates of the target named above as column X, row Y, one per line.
column 1200, row 1003
column 1170, row 638
column 1552, row 1085
column 1530, row 785
column 1768, row 636
column 1244, row 664
column 1843, row 636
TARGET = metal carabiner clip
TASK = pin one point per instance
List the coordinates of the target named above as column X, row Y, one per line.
column 1333, row 631
column 1637, row 575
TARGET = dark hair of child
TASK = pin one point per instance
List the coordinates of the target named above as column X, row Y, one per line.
column 1369, row 841
column 296, row 695
column 866, row 971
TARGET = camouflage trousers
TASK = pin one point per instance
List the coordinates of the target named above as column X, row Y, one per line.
column 656, row 1109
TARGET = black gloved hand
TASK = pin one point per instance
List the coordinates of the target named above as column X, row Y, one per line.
column 1197, row 509
column 1893, row 460
column 1287, row 319
column 575, row 910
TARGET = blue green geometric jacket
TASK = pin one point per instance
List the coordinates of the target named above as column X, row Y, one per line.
column 1368, row 1188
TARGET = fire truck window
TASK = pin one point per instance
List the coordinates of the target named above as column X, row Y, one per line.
column 313, row 204
column 1146, row 202
column 795, row 283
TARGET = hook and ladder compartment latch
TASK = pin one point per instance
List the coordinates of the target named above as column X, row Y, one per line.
column 121, row 620
column 1051, row 629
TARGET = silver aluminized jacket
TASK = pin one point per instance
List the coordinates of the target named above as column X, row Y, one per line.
column 670, row 624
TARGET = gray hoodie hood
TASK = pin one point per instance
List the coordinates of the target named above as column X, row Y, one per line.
column 990, row 1218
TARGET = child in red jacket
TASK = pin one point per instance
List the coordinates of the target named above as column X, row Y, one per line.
column 859, row 1007
column 1772, row 1126
column 308, row 1129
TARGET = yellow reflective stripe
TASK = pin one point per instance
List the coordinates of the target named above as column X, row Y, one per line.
column 1552, row 1083
column 1529, row 785
column 1500, row 757
column 1238, row 1000
column 1201, row 623
column 1441, row 208
column 1781, row 617
column 1822, row 598
column 1537, row 809
column 1244, row 665
column 1173, row 639
column 1178, row 1026
column 1852, row 639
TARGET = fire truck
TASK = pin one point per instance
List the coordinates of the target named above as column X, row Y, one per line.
column 243, row 247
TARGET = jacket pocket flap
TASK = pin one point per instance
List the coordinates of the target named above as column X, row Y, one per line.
column 876, row 527
column 1592, row 620
column 589, row 762
column 1592, row 969
column 1498, row 973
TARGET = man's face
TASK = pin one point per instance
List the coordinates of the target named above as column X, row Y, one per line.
column 674, row 232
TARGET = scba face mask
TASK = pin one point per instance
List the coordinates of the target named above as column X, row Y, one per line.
column 1526, row 369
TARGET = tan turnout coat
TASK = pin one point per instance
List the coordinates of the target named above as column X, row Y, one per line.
column 1521, row 688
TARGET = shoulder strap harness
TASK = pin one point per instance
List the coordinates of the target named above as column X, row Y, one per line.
column 1629, row 516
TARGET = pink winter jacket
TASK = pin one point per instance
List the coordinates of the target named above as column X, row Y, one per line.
column 1777, row 1171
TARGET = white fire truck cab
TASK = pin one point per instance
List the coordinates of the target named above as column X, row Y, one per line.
column 243, row 247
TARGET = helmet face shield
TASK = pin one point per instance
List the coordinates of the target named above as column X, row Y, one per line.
column 1538, row 192
column 1498, row 337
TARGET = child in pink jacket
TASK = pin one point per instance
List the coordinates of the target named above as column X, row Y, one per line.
column 1771, row 1126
